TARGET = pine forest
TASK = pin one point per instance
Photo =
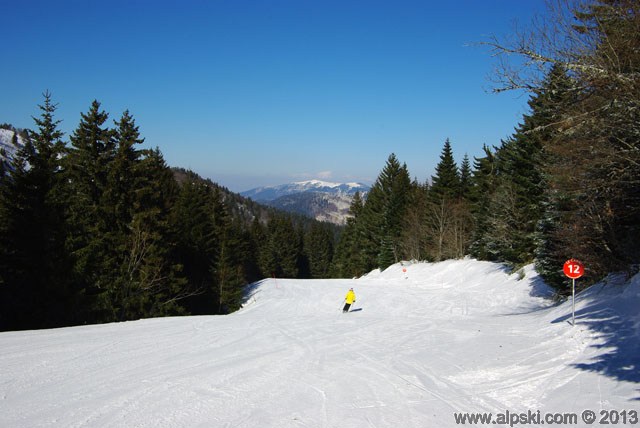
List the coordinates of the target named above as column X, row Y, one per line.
column 95, row 229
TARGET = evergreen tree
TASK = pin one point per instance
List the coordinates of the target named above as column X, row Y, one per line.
column 550, row 253
column 229, row 267
column 484, row 184
column 369, row 228
column 259, row 241
column 348, row 258
column 466, row 178
column 197, row 246
column 123, row 183
column 33, row 288
column 443, row 215
column 382, row 215
column 282, row 250
column 445, row 185
column 86, row 172
column 249, row 251
column 161, row 286
column 413, row 242
column 318, row 247
column 511, row 184
column 122, row 179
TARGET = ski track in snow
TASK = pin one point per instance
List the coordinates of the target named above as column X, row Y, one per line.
column 457, row 336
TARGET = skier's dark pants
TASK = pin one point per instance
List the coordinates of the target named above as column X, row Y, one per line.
column 346, row 307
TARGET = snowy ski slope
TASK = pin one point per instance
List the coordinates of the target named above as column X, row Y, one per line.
column 421, row 344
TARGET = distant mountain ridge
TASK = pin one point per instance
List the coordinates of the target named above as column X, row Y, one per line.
column 322, row 200
column 270, row 193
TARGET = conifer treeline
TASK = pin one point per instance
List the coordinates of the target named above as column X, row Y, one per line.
column 565, row 184
column 100, row 230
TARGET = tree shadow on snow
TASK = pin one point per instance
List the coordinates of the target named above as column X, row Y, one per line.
column 618, row 336
column 251, row 290
column 539, row 288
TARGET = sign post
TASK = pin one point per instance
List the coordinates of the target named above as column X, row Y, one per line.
column 573, row 269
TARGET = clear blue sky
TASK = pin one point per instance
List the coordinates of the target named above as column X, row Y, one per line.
column 252, row 93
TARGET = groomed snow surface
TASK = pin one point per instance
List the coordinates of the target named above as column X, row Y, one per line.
column 423, row 341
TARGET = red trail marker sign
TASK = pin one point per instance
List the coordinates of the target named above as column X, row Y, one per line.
column 573, row 269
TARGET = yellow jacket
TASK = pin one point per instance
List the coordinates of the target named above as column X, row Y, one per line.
column 351, row 297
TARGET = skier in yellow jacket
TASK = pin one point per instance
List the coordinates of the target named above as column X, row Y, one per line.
column 349, row 300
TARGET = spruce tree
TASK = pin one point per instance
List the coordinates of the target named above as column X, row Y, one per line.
column 161, row 284
column 382, row 215
column 34, row 291
column 196, row 250
column 258, row 244
column 445, row 184
column 442, row 212
column 319, row 249
column 484, row 184
column 282, row 250
column 122, row 178
column 123, row 183
column 229, row 267
column 86, row 172
column 466, row 181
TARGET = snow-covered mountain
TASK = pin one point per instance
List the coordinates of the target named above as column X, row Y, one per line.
column 322, row 200
column 427, row 345
column 7, row 145
column 270, row 193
